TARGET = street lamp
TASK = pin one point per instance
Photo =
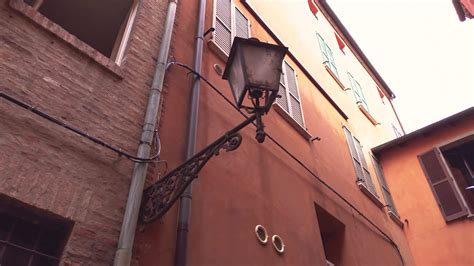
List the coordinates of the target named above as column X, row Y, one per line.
column 253, row 71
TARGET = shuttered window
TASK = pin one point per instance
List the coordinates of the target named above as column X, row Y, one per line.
column 358, row 92
column 290, row 98
column 328, row 58
column 229, row 22
column 442, row 185
column 383, row 184
column 358, row 159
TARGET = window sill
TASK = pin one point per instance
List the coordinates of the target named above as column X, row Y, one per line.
column 61, row 33
column 370, row 195
column 367, row 114
column 301, row 130
column 335, row 77
column 395, row 218
column 220, row 53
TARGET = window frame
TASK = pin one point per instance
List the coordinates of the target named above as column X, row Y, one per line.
column 365, row 182
column 16, row 213
column 387, row 195
column 447, row 178
column 233, row 31
column 358, row 92
column 109, row 63
column 290, row 94
column 329, row 60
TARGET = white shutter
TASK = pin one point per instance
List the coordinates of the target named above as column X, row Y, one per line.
column 294, row 97
column 223, row 27
column 358, row 159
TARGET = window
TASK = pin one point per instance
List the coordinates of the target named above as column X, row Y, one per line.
column 290, row 99
column 385, row 191
column 327, row 55
column 450, row 173
column 358, row 93
column 29, row 236
column 332, row 236
column 95, row 23
column 229, row 22
column 360, row 165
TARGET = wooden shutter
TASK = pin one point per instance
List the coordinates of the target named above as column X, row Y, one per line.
column 367, row 178
column 322, row 47
column 283, row 99
column 358, row 159
column 442, row 185
column 241, row 25
column 355, row 157
column 223, row 27
column 383, row 184
column 294, row 97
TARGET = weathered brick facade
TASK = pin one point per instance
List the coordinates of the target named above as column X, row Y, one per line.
column 48, row 167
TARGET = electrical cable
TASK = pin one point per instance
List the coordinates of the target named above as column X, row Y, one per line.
column 173, row 62
column 60, row 123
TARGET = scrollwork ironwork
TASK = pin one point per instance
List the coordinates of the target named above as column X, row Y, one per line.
column 159, row 197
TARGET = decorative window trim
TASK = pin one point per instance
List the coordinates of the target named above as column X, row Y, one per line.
column 367, row 114
column 335, row 77
column 114, row 66
column 212, row 42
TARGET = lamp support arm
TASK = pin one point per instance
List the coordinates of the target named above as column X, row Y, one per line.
column 160, row 197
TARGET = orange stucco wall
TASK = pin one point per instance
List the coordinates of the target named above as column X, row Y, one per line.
column 259, row 183
column 432, row 240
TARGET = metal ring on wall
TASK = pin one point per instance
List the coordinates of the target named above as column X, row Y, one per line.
column 261, row 233
column 278, row 244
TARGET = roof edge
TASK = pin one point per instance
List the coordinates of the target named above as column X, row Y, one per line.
column 343, row 31
column 441, row 123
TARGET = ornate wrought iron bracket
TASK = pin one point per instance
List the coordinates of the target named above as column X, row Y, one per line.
column 159, row 197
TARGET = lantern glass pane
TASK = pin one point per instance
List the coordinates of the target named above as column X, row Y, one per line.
column 262, row 66
column 237, row 79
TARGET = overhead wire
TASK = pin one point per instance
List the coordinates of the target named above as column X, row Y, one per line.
column 119, row 151
column 387, row 237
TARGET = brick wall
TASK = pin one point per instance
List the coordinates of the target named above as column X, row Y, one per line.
column 46, row 166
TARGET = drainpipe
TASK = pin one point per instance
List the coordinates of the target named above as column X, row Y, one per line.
column 186, row 197
column 396, row 115
column 123, row 254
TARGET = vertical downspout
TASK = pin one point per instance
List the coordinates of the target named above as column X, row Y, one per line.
column 186, row 197
column 123, row 254
column 396, row 115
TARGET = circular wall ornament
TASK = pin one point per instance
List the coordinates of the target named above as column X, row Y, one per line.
column 218, row 69
column 278, row 244
column 261, row 233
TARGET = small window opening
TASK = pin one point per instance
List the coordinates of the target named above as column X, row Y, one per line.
column 460, row 159
column 30, row 236
column 332, row 236
column 104, row 25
